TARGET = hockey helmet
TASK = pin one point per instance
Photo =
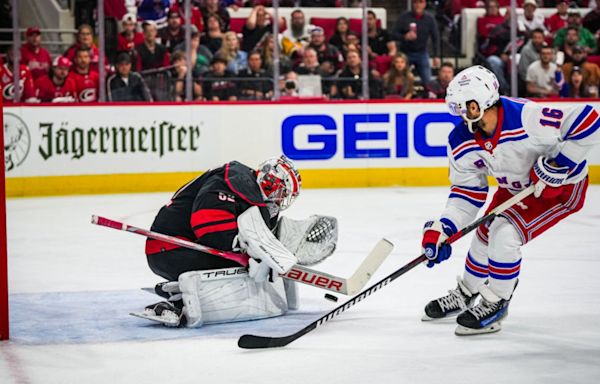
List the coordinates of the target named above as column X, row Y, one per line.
column 476, row 84
column 279, row 181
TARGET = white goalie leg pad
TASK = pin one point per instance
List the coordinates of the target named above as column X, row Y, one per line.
column 258, row 241
column 310, row 240
column 228, row 295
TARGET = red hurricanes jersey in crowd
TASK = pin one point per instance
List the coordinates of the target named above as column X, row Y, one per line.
column 94, row 56
column 39, row 62
column 124, row 45
column 7, row 83
column 86, row 85
column 47, row 91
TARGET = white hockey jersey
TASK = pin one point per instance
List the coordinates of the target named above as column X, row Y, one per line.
column 525, row 131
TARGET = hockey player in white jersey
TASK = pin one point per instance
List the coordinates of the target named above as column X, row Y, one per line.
column 518, row 142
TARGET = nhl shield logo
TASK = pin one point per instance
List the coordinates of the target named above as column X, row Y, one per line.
column 17, row 141
column 488, row 145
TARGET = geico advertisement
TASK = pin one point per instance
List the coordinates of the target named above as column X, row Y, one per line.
column 77, row 140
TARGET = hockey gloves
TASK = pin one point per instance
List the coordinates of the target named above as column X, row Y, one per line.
column 434, row 234
column 548, row 178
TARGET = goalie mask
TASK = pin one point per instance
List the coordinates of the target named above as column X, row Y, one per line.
column 279, row 181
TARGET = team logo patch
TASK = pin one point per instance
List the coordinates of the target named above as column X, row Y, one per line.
column 17, row 141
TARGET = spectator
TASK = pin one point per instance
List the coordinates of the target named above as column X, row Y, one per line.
column 398, row 80
column 531, row 19
column 57, row 87
column 530, row 53
column 174, row 33
column 216, row 85
column 196, row 17
column 591, row 71
column 577, row 85
column 352, row 43
column 285, row 64
column 413, row 29
column 559, row 19
column 213, row 8
column 85, row 40
column 154, row 10
column 585, row 38
column 290, row 85
column 570, row 42
column 297, row 37
column 338, row 39
column 33, row 55
column 317, row 3
column 496, row 49
column 258, row 86
column 201, row 55
column 541, row 75
column 309, row 64
column 381, row 46
column 486, row 24
column 258, row 24
column 237, row 60
column 436, row 89
column 179, row 63
column 85, row 77
column 151, row 54
column 592, row 20
column 350, row 84
column 213, row 37
column 129, row 36
column 126, row 85
column 26, row 85
column 325, row 52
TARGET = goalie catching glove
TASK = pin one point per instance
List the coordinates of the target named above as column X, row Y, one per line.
column 269, row 257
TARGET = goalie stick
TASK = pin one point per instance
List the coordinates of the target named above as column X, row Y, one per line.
column 299, row 273
column 256, row 342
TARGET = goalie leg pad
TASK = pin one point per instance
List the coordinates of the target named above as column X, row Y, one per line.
column 228, row 295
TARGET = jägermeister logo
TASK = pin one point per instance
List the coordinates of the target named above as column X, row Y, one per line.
column 158, row 138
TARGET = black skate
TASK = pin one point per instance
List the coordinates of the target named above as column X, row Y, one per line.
column 164, row 312
column 457, row 300
column 485, row 317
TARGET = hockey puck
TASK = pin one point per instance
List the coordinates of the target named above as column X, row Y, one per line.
column 331, row 297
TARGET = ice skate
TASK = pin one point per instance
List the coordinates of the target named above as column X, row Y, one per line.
column 485, row 317
column 163, row 312
column 457, row 300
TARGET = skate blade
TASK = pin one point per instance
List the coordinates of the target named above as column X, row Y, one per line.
column 451, row 316
column 464, row 331
column 166, row 321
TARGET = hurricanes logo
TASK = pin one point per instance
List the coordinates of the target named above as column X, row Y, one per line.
column 17, row 141
column 88, row 94
column 8, row 92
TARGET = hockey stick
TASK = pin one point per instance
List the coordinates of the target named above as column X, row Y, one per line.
column 298, row 272
column 255, row 342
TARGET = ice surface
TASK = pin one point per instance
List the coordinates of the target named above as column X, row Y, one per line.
column 72, row 285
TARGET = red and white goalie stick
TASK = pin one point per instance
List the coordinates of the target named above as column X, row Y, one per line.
column 299, row 273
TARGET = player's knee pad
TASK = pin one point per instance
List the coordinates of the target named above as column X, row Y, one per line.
column 505, row 242
column 228, row 295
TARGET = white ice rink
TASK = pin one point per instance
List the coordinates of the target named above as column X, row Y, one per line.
column 72, row 285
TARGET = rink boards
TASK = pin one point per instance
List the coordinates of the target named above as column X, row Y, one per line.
column 112, row 148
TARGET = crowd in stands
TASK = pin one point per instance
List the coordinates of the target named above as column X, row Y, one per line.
column 558, row 55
